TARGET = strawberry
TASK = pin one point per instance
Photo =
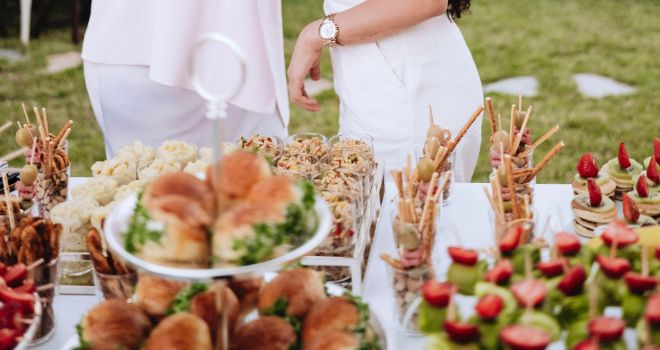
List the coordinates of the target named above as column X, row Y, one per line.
column 511, row 239
column 642, row 187
column 25, row 299
column 624, row 160
column 500, row 273
column 652, row 171
column 573, row 281
column 3, row 269
column 522, row 337
column 656, row 149
column 595, row 195
column 8, row 338
column 489, row 307
column 437, row 294
column 15, row 275
column 652, row 313
column 551, row 268
column 613, row 267
column 567, row 243
column 28, row 286
column 587, row 166
column 638, row 283
column 630, row 210
column 529, row 292
column 606, row 328
column 588, row 344
column 619, row 231
column 461, row 332
column 657, row 252
column 463, row 256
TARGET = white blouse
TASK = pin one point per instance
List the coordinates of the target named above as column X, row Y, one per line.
column 161, row 33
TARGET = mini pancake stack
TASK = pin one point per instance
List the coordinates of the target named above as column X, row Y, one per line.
column 588, row 168
column 622, row 170
column 591, row 209
column 648, row 202
column 633, row 217
column 656, row 153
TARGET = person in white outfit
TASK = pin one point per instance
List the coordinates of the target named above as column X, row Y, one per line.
column 391, row 60
column 136, row 55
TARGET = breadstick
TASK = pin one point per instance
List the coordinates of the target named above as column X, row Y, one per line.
column 431, row 122
column 558, row 147
column 538, row 142
column 512, row 127
column 60, row 144
column 429, row 197
column 64, row 129
column 10, row 207
column 6, row 126
column 27, row 119
column 398, row 181
column 465, row 128
column 516, row 143
column 394, row 262
column 511, row 186
column 491, row 115
column 39, row 120
column 45, row 118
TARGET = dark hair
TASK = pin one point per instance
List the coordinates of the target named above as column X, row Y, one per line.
column 456, row 7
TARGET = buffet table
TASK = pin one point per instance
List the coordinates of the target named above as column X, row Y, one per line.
column 465, row 221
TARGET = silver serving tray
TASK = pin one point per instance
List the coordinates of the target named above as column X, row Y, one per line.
column 118, row 220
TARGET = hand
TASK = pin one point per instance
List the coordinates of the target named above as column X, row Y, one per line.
column 306, row 59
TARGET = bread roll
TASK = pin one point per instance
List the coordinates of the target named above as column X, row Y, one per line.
column 154, row 295
column 233, row 178
column 181, row 184
column 330, row 315
column 337, row 340
column 302, row 288
column 277, row 192
column 264, row 333
column 182, row 331
column 114, row 324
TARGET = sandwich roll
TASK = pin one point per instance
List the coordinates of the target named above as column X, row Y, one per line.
column 115, row 324
column 182, row 331
column 301, row 288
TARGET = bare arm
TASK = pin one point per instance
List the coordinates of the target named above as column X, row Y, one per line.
column 370, row 21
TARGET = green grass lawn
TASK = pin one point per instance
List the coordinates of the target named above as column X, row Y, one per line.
column 550, row 40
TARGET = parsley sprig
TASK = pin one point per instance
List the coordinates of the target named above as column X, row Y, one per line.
column 182, row 300
column 368, row 340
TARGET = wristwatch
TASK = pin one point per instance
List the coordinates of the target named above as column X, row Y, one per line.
column 328, row 31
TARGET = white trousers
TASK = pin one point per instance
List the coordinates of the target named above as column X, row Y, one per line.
column 130, row 107
column 386, row 87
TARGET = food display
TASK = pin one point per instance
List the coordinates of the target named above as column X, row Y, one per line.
column 20, row 311
column 294, row 312
column 300, row 165
column 263, row 144
column 516, row 146
column 622, row 170
column 592, row 209
column 307, row 143
column 100, row 189
column 177, row 152
column 176, row 222
column 121, row 170
column 158, row 167
column 34, row 242
column 588, row 168
column 545, row 302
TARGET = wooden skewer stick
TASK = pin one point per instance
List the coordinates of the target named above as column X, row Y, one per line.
column 392, row 261
column 46, row 287
column 431, row 122
column 540, row 141
column 512, row 128
column 27, row 119
column 35, row 264
column 10, row 207
column 9, row 198
column 519, row 102
column 645, row 260
column 516, row 143
column 45, row 118
column 511, row 186
column 491, row 115
column 18, row 123
column 11, row 155
column 465, row 128
column 558, row 147
column 39, row 120
column 499, row 121
column 42, row 133
column 34, row 147
column 6, row 126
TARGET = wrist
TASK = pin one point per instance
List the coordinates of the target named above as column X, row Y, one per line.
column 311, row 36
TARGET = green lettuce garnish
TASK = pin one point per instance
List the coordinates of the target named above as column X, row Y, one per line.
column 368, row 340
column 82, row 343
column 182, row 300
column 138, row 232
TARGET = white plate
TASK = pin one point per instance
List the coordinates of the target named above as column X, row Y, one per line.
column 119, row 219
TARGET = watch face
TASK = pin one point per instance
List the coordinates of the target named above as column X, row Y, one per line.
column 327, row 30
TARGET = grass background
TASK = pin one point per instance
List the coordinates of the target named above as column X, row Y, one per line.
column 550, row 40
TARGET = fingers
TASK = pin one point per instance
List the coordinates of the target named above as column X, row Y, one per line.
column 299, row 96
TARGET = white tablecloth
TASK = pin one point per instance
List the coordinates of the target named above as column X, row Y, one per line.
column 464, row 221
